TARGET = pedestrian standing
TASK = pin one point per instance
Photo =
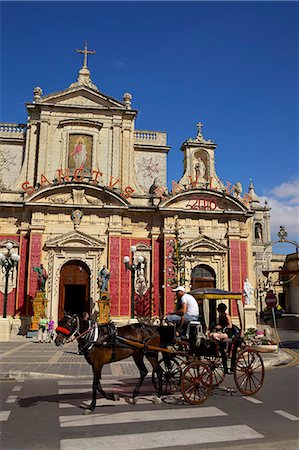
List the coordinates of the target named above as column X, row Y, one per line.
column 42, row 334
column 50, row 329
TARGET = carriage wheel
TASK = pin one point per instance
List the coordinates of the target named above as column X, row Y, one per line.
column 217, row 370
column 196, row 382
column 249, row 372
column 171, row 376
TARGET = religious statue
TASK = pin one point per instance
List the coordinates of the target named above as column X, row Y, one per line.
column 248, row 292
column 42, row 277
column 200, row 169
column 258, row 231
column 103, row 278
column 140, row 285
column 238, row 189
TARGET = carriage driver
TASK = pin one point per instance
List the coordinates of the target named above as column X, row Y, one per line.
column 187, row 308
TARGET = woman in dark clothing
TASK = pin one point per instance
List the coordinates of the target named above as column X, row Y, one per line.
column 225, row 327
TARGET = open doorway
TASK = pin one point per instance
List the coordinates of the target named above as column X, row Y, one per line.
column 74, row 289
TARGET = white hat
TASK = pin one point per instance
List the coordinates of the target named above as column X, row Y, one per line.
column 179, row 288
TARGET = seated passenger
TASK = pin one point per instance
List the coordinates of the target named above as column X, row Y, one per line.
column 224, row 329
column 187, row 308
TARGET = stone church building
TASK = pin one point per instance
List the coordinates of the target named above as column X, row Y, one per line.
column 80, row 186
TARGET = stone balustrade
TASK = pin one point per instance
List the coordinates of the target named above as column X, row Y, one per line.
column 150, row 137
column 12, row 129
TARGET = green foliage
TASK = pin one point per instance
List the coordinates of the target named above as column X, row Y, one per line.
column 177, row 273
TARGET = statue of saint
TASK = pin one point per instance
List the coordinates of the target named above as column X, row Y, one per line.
column 42, row 277
column 200, row 169
column 238, row 189
column 248, row 292
column 103, row 278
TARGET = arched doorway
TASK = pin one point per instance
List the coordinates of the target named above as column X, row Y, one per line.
column 74, row 289
column 203, row 276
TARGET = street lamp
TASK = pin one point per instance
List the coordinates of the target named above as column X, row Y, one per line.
column 133, row 267
column 8, row 262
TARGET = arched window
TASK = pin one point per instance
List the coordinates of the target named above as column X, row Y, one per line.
column 203, row 276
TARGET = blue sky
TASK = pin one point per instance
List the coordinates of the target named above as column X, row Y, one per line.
column 231, row 65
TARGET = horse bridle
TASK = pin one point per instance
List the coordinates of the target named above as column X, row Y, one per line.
column 67, row 333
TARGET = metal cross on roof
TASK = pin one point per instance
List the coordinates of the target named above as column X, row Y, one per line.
column 85, row 52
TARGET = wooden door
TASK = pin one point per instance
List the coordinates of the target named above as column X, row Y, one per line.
column 74, row 288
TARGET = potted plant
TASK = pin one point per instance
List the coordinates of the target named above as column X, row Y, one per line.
column 259, row 341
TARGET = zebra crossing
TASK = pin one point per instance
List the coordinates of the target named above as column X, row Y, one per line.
column 105, row 427
column 146, row 425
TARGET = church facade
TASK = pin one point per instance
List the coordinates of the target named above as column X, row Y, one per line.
column 81, row 188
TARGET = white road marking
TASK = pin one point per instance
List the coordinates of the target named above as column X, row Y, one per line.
column 74, row 391
column 11, row 399
column 17, row 388
column 4, row 415
column 177, row 438
column 143, row 400
column 286, row 415
column 137, row 416
column 87, row 382
column 253, row 400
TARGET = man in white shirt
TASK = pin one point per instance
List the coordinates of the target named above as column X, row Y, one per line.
column 187, row 308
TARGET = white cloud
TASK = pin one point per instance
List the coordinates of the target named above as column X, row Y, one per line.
column 288, row 189
column 284, row 203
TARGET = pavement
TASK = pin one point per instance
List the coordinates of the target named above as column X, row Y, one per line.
column 23, row 357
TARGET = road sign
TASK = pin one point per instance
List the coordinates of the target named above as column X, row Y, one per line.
column 271, row 300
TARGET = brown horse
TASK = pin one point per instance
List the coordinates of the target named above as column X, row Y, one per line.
column 104, row 344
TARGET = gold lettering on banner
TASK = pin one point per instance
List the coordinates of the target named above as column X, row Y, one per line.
column 44, row 180
column 77, row 175
column 111, row 185
column 127, row 192
column 193, row 183
column 97, row 174
column 176, row 188
column 63, row 176
column 27, row 188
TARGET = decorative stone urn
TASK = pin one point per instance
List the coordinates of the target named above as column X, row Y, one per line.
column 39, row 304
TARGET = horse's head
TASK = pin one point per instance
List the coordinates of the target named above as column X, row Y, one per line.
column 67, row 326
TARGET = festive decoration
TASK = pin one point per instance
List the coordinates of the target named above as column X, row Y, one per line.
column 176, row 271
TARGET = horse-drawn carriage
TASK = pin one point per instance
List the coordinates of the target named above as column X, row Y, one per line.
column 193, row 364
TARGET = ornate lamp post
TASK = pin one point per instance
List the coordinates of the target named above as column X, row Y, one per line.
column 8, row 262
column 133, row 266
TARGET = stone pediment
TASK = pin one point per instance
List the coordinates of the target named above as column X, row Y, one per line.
column 77, row 195
column 76, row 240
column 82, row 96
column 203, row 200
column 204, row 244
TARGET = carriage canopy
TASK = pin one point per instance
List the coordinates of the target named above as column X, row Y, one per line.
column 208, row 294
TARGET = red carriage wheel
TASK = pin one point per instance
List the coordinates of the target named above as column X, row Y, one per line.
column 217, row 369
column 196, row 382
column 249, row 372
column 171, row 375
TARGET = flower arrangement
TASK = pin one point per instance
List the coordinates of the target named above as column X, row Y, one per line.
column 253, row 336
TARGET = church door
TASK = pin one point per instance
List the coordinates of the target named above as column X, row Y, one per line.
column 203, row 276
column 74, row 288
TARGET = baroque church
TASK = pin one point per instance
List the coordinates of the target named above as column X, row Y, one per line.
column 81, row 189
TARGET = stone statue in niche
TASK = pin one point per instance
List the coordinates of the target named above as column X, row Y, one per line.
column 258, row 232
column 200, row 169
